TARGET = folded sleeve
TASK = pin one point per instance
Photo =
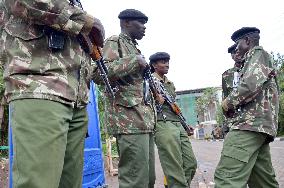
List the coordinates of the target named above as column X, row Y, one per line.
column 117, row 67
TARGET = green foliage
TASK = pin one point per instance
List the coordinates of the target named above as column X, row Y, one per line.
column 279, row 61
column 1, row 81
column 101, row 110
column 281, row 116
column 202, row 103
column 114, row 151
column 102, row 118
column 4, row 127
column 219, row 115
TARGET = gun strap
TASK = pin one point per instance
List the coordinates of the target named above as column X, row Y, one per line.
column 76, row 3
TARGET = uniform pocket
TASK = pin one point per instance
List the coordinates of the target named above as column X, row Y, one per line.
column 237, row 153
column 233, row 161
column 128, row 101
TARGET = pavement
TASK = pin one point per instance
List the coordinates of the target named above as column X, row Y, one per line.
column 208, row 155
column 279, row 139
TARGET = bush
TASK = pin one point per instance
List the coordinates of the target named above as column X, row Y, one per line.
column 280, row 131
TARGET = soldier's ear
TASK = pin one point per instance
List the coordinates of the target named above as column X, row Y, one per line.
column 124, row 23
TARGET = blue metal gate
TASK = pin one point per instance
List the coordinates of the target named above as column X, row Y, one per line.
column 93, row 172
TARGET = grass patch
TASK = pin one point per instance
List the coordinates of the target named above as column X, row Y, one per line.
column 114, row 151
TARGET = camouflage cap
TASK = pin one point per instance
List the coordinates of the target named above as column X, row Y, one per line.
column 232, row 48
column 132, row 14
column 159, row 56
column 244, row 31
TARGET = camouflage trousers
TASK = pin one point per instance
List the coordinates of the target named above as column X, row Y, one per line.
column 245, row 160
column 175, row 153
column 48, row 144
column 136, row 166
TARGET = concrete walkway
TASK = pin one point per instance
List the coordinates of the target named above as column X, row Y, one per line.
column 208, row 155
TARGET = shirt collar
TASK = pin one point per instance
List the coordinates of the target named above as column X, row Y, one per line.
column 126, row 37
column 251, row 51
column 163, row 80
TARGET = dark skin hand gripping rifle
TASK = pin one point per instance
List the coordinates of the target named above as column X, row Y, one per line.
column 161, row 95
column 95, row 53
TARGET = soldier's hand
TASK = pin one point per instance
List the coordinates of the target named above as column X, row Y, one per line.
column 94, row 29
column 190, row 132
column 225, row 105
column 97, row 34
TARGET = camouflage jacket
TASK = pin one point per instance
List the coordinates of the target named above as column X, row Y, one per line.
column 227, row 88
column 257, row 94
column 32, row 70
column 166, row 109
column 127, row 113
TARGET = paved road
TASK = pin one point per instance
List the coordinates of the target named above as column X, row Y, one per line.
column 208, row 154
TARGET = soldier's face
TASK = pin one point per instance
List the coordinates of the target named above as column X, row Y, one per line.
column 236, row 56
column 242, row 46
column 136, row 29
column 161, row 67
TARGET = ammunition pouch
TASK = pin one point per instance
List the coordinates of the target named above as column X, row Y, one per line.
column 56, row 39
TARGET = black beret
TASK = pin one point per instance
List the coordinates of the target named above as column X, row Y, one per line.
column 232, row 48
column 132, row 14
column 159, row 56
column 244, row 31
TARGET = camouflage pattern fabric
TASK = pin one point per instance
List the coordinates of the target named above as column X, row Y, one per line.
column 257, row 94
column 127, row 113
column 166, row 109
column 32, row 70
column 227, row 88
column 227, row 81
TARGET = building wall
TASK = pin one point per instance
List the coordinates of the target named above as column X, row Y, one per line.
column 187, row 102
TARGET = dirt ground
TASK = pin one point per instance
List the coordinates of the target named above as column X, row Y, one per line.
column 4, row 170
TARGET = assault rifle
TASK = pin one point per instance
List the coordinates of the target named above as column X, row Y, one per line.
column 95, row 53
column 161, row 95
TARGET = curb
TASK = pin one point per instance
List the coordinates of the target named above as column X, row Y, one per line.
column 279, row 139
column 217, row 140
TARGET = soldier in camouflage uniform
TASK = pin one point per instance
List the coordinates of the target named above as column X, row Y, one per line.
column 229, row 83
column 246, row 158
column 129, row 119
column 175, row 151
column 47, row 89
